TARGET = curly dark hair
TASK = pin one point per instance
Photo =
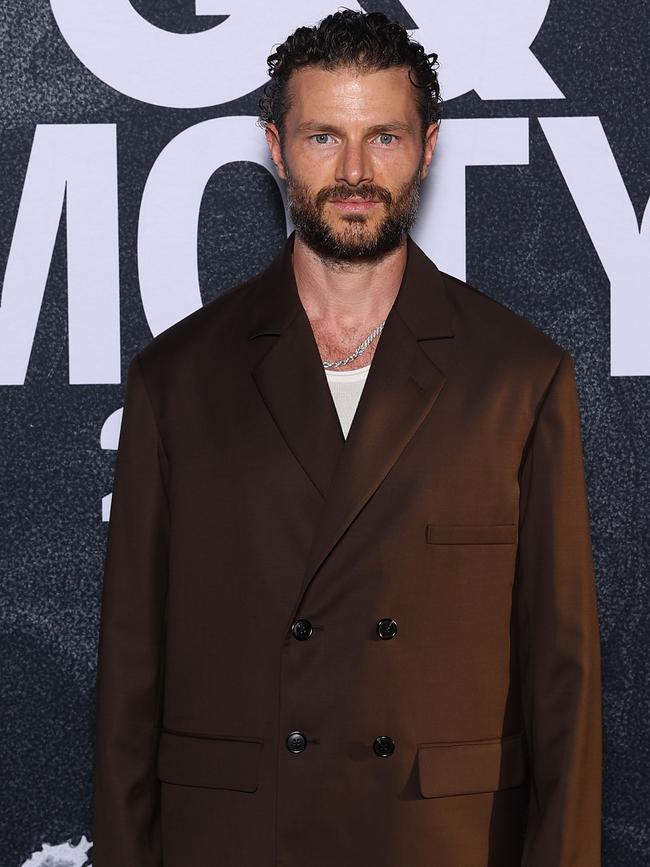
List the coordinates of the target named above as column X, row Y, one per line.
column 365, row 41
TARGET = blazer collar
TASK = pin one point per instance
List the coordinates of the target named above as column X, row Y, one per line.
column 402, row 386
column 421, row 301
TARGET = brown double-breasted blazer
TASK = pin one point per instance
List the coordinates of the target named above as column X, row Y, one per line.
column 376, row 651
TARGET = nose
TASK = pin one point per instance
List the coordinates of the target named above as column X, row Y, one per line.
column 354, row 165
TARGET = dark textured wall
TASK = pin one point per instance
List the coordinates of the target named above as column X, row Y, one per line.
column 526, row 245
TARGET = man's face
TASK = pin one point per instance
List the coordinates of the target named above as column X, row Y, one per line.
column 353, row 156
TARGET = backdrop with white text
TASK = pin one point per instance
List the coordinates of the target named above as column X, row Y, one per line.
column 136, row 186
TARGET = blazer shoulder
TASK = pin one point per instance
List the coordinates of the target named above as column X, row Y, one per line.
column 496, row 329
column 213, row 327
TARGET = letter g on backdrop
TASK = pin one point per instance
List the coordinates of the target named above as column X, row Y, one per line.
column 181, row 70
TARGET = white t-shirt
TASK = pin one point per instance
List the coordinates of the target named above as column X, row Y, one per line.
column 346, row 387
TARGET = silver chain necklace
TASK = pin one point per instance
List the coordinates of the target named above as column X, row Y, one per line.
column 376, row 331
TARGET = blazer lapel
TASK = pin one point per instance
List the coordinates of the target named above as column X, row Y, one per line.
column 290, row 376
column 402, row 386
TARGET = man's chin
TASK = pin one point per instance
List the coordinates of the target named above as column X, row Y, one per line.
column 343, row 247
column 353, row 233
column 356, row 229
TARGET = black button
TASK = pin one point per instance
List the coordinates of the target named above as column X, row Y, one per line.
column 301, row 629
column 296, row 742
column 386, row 628
column 384, row 745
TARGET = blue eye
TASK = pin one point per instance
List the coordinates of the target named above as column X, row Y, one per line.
column 383, row 135
column 321, row 135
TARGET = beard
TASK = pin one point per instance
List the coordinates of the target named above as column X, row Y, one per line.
column 353, row 240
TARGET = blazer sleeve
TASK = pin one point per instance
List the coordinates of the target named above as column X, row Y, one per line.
column 559, row 641
column 126, row 829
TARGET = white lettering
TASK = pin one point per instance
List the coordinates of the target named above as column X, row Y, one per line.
column 169, row 213
column 440, row 227
column 180, row 70
column 79, row 163
column 580, row 146
column 486, row 47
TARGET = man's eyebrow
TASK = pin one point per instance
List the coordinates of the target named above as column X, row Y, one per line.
column 378, row 127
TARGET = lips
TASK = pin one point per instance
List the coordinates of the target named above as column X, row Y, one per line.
column 354, row 205
column 354, row 200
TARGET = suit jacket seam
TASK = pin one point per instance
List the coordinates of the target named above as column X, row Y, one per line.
column 528, row 452
column 164, row 471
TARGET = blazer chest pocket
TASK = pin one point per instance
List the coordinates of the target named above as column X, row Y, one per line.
column 471, row 767
column 212, row 762
column 471, row 534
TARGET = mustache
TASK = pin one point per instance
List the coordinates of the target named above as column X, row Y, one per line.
column 341, row 191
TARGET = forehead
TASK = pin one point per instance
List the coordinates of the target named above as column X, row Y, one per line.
column 349, row 94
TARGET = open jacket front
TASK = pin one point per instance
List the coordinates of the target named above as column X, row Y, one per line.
column 412, row 610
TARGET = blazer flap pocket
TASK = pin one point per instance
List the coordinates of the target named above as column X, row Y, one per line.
column 471, row 534
column 214, row 762
column 467, row 768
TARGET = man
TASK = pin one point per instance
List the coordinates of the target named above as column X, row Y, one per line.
column 349, row 627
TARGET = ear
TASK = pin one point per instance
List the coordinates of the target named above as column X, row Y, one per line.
column 273, row 141
column 430, row 141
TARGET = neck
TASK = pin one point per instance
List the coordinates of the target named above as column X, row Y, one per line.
column 347, row 295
